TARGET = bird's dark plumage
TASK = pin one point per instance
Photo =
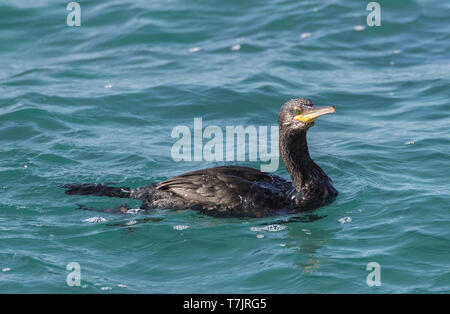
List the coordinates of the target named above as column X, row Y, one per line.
column 234, row 191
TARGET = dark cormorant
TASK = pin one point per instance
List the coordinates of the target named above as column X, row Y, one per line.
column 234, row 191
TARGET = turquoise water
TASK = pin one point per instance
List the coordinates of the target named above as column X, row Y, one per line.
column 98, row 103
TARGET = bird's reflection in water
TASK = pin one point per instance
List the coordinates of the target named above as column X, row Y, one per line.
column 131, row 225
column 306, row 241
column 124, row 209
column 135, row 222
column 303, row 218
column 302, row 240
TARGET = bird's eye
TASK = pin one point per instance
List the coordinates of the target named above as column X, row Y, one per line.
column 297, row 111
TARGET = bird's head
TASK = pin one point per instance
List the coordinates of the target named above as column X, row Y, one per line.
column 299, row 114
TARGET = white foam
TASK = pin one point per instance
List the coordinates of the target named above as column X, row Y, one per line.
column 270, row 228
column 305, row 35
column 6, row 269
column 106, row 288
column 236, row 47
column 274, row 228
column 260, row 236
column 194, row 49
column 180, row 227
column 345, row 220
column 359, row 28
column 94, row 220
column 134, row 211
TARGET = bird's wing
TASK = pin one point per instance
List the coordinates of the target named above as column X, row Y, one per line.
column 220, row 185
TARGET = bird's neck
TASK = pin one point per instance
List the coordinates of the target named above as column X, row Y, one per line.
column 295, row 155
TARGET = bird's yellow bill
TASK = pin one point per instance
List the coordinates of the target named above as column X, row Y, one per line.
column 313, row 113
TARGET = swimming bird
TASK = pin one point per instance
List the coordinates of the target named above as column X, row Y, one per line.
column 235, row 191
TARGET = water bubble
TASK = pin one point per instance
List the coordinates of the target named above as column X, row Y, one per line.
column 236, row 47
column 95, row 220
column 180, row 227
column 305, row 35
column 344, row 220
column 274, row 228
column 359, row 28
column 270, row 228
column 194, row 49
